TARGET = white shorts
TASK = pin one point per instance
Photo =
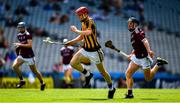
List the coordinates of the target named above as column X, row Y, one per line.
column 145, row 62
column 28, row 61
column 87, row 67
column 66, row 67
column 96, row 56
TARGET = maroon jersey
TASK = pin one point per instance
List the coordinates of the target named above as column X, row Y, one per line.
column 23, row 51
column 67, row 54
column 136, row 40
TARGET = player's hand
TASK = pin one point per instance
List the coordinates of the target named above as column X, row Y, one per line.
column 68, row 43
column 151, row 53
column 73, row 28
column 17, row 44
column 129, row 57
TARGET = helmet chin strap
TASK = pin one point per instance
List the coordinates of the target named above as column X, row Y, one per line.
column 131, row 30
column 23, row 31
column 84, row 18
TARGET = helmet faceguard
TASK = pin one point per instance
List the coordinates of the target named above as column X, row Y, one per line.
column 21, row 27
column 82, row 12
column 134, row 20
column 131, row 26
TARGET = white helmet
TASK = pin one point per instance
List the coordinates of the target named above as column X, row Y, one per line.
column 21, row 25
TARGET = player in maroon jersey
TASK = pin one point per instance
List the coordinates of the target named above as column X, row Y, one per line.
column 141, row 56
column 67, row 54
column 25, row 54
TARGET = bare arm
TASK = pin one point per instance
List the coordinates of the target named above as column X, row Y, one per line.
column 130, row 55
column 72, row 42
column 132, row 52
column 147, row 46
column 85, row 32
column 27, row 45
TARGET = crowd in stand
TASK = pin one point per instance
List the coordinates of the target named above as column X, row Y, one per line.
column 117, row 7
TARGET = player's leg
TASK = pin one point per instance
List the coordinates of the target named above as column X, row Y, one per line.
column 104, row 73
column 107, row 77
column 149, row 73
column 76, row 64
column 38, row 74
column 132, row 68
column 16, row 65
column 35, row 71
column 159, row 62
column 68, row 75
column 76, row 61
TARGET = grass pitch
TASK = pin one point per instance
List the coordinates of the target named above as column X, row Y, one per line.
column 87, row 96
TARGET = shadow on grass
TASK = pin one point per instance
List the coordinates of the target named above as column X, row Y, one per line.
column 149, row 99
column 141, row 98
column 94, row 99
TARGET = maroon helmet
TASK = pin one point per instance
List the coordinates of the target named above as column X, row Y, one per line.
column 81, row 10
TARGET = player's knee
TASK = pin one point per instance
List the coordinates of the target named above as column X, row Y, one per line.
column 128, row 74
column 73, row 63
column 35, row 72
column 14, row 66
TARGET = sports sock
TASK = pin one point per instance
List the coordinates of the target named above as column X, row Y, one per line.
column 129, row 91
column 21, row 78
column 110, row 86
column 41, row 82
column 86, row 73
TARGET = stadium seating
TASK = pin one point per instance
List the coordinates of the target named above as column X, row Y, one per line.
column 163, row 44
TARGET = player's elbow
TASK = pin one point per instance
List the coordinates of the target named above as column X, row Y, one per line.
column 145, row 41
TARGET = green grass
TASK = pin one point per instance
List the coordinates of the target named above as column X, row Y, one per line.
column 88, row 96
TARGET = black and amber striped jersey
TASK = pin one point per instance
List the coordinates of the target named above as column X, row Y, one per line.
column 90, row 41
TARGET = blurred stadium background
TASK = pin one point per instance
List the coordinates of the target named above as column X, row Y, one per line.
column 52, row 18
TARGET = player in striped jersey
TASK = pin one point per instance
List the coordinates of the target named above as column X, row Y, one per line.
column 91, row 50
